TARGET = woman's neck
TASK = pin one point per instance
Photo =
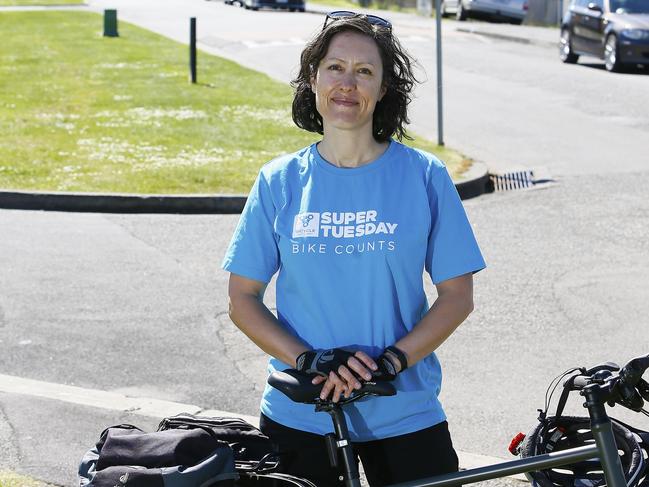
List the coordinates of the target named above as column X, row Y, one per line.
column 348, row 149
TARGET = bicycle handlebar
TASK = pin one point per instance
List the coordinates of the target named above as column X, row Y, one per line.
column 625, row 387
column 629, row 394
column 631, row 373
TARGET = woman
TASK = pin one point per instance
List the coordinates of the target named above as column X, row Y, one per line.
column 350, row 224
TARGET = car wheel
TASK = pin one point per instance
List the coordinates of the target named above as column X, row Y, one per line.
column 611, row 55
column 566, row 53
column 460, row 13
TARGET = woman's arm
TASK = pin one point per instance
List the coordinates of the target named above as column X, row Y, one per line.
column 453, row 304
column 248, row 311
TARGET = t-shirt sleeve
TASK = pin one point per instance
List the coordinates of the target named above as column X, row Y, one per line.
column 452, row 247
column 253, row 251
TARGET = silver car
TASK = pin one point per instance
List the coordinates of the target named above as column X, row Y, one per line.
column 513, row 11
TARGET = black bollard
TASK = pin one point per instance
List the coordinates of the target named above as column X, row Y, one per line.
column 192, row 49
column 110, row 23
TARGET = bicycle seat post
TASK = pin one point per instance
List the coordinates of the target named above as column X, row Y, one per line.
column 351, row 475
column 602, row 429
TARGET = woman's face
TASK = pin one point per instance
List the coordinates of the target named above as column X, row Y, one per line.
column 348, row 82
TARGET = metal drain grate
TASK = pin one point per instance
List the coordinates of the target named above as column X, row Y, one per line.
column 512, row 180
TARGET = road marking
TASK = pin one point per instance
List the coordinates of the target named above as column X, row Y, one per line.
column 144, row 406
column 293, row 41
column 155, row 408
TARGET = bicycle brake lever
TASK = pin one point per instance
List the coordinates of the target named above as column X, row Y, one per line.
column 629, row 397
column 643, row 389
column 610, row 366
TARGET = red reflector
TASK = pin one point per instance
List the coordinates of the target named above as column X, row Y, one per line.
column 514, row 446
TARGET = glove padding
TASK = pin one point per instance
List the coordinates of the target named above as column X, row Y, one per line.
column 322, row 362
column 386, row 371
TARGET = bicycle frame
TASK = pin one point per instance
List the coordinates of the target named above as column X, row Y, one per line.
column 605, row 449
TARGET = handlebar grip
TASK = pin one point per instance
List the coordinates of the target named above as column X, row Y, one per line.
column 631, row 373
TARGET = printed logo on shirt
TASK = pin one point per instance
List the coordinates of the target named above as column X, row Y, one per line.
column 306, row 225
column 346, row 224
column 340, row 226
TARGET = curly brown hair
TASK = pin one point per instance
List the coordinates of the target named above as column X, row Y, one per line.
column 391, row 113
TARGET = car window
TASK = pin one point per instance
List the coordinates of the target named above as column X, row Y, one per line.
column 630, row 6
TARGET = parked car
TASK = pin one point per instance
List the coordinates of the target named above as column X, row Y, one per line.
column 616, row 31
column 513, row 11
column 291, row 5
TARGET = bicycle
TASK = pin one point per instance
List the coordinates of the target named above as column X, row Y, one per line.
column 604, row 384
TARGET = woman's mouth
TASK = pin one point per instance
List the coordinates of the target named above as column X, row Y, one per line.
column 344, row 102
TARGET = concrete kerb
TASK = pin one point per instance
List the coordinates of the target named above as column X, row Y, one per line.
column 471, row 187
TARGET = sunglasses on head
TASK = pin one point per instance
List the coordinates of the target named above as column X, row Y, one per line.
column 345, row 14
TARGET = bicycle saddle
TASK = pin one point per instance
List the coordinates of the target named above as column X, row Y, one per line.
column 298, row 387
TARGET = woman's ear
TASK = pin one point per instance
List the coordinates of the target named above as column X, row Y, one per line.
column 312, row 82
column 383, row 91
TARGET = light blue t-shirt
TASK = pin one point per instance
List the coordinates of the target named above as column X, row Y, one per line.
column 350, row 246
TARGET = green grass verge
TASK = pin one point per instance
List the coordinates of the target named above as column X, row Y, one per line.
column 79, row 112
column 29, row 3
column 11, row 479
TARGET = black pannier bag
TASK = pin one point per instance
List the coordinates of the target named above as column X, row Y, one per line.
column 185, row 451
column 253, row 451
column 126, row 456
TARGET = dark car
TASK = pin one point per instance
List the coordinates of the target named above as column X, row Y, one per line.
column 513, row 11
column 616, row 31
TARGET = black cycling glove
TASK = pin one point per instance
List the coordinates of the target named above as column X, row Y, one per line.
column 322, row 362
column 387, row 370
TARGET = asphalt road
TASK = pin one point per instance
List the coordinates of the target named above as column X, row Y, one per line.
column 136, row 304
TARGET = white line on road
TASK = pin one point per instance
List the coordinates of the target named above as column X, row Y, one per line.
column 156, row 408
column 144, row 406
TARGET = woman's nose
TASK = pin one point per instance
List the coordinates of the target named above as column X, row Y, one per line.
column 348, row 81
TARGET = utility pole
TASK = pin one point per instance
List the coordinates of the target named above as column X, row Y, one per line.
column 440, row 111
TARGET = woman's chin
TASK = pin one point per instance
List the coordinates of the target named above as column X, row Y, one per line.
column 348, row 124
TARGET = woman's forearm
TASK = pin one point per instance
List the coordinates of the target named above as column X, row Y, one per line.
column 450, row 309
column 253, row 318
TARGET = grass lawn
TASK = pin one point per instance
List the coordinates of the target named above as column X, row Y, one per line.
column 12, row 3
column 79, row 112
column 11, row 479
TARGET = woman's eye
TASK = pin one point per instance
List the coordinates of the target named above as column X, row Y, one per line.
column 334, row 67
column 365, row 71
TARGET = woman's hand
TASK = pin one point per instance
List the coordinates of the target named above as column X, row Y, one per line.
column 346, row 379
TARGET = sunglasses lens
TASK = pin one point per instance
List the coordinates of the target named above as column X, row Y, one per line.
column 339, row 14
column 375, row 20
